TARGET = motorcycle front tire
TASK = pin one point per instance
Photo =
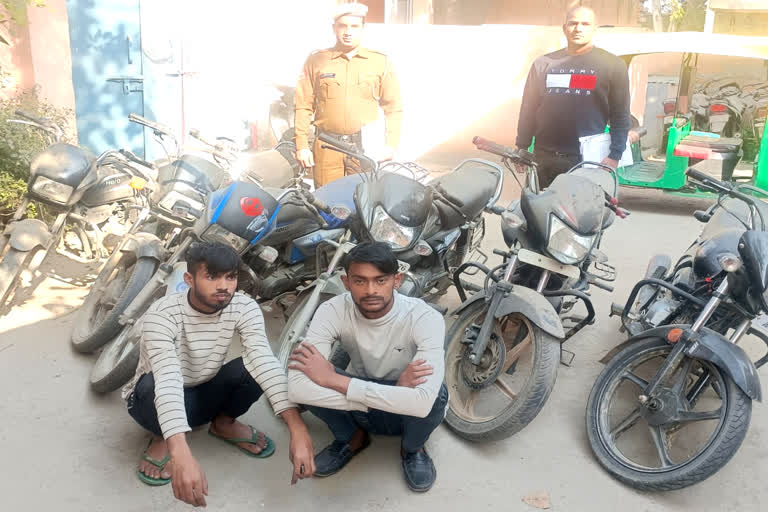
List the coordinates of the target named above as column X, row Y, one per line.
column 88, row 336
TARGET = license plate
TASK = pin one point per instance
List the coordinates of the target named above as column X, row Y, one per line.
column 547, row 263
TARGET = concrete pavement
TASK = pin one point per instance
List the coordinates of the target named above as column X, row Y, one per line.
column 66, row 449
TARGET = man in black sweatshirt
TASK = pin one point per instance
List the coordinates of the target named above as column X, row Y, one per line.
column 572, row 93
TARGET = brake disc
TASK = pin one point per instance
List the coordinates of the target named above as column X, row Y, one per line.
column 485, row 373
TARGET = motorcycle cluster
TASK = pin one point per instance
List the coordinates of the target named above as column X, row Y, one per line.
column 681, row 378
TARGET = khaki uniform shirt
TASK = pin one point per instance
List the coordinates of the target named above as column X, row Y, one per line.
column 344, row 94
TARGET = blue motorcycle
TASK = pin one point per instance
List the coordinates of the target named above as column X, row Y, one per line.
column 281, row 235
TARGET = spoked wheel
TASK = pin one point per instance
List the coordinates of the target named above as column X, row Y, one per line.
column 509, row 387
column 683, row 434
column 117, row 362
column 118, row 283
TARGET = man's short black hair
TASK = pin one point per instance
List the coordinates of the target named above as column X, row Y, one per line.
column 218, row 258
column 378, row 254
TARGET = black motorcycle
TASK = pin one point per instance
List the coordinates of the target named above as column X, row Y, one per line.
column 279, row 235
column 174, row 204
column 94, row 197
column 432, row 228
column 504, row 349
column 673, row 404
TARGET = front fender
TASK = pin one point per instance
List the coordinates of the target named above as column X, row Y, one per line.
column 27, row 234
column 528, row 303
column 535, row 307
column 729, row 357
column 145, row 245
column 713, row 347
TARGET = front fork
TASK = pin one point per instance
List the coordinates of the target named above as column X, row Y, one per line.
column 159, row 279
column 671, row 363
column 299, row 326
column 499, row 290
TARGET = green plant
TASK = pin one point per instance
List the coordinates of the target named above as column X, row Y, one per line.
column 20, row 143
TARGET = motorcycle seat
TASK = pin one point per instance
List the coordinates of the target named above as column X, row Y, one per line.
column 721, row 145
column 473, row 182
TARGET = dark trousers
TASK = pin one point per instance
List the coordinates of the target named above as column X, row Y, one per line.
column 414, row 431
column 230, row 393
column 552, row 164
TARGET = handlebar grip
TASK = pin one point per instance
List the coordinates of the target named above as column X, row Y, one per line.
column 133, row 158
column 136, row 118
column 333, row 141
column 642, row 132
column 492, row 147
column 32, row 118
column 700, row 176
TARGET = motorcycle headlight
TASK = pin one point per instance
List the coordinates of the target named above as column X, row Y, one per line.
column 384, row 229
column 216, row 233
column 565, row 245
column 53, row 190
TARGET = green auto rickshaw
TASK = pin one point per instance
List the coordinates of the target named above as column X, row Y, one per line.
column 701, row 100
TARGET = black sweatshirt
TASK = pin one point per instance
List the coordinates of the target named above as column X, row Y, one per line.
column 572, row 96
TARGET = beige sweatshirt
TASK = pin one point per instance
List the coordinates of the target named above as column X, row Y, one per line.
column 379, row 349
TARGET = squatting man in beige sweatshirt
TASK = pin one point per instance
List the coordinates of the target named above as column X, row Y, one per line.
column 394, row 382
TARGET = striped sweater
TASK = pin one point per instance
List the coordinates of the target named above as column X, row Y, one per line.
column 183, row 347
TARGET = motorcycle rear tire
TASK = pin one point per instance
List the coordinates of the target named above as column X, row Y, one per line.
column 88, row 337
column 531, row 399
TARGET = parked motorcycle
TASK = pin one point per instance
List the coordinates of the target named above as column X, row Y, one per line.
column 503, row 350
column 94, row 197
column 176, row 203
column 432, row 228
column 673, row 404
column 279, row 234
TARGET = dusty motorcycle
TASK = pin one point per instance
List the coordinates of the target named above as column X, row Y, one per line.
column 174, row 204
column 673, row 404
column 279, row 234
column 94, row 197
column 432, row 228
column 504, row 348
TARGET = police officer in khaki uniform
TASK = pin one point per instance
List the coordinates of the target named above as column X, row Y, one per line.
column 343, row 87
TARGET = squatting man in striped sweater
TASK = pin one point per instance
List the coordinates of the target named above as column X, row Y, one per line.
column 182, row 381
column 393, row 384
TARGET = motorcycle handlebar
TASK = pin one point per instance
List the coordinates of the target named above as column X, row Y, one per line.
column 194, row 132
column 319, row 204
column 133, row 158
column 30, row 117
column 344, row 146
column 519, row 155
column 642, row 132
column 135, row 118
column 706, row 179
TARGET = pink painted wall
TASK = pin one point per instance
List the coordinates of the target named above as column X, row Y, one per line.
column 40, row 55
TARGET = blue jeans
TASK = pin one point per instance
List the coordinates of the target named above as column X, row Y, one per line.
column 414, row 431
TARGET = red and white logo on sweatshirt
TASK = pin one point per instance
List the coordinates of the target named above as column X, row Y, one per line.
column 571, row 81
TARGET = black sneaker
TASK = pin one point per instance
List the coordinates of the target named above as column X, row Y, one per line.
column 419, row 470
column 335, row 456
